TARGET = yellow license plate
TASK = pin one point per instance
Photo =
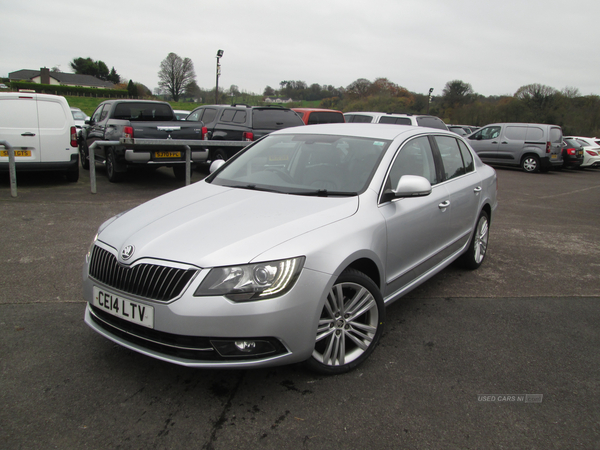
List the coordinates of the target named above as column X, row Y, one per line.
column 554, row 157
column 167, row 155
column 17, row 152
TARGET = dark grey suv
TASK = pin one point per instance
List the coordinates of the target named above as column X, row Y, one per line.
column 240, row 123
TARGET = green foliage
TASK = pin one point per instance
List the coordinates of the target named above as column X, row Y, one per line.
column 98, row 69
column 67, row 90
column 132, row 89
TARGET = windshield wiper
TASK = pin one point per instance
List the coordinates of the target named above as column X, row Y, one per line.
column 326, row 193
column 253, row 187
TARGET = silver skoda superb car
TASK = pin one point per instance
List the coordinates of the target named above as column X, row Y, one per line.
column 314, row 230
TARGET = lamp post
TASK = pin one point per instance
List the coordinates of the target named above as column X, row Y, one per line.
column 219, row 54
column 429, row 101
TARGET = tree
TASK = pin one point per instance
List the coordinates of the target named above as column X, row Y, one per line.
column 132, row 89
column 98, row 69
column 540, row 100
column 175, row 74
column 456, row 93
column 359, row 88
column 269, row 92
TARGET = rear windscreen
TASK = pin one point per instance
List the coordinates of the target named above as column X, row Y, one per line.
column 143, row 112
column 432, row 122
column 275, row 119
column 317, row 117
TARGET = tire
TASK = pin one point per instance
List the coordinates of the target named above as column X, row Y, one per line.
column 475, row 254
column 84, row 156
column 219, row 153
column 179, row 172
column 350, row 324
column 530, row 163
column 73, row 175
column 111, row 171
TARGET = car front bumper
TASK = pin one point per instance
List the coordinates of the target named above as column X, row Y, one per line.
column 200, row 331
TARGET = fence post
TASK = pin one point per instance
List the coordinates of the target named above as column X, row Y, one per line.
column 92, row 157
column 188, row 165
column 11, row 168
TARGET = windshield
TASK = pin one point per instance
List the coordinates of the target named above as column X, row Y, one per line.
column 305, row 165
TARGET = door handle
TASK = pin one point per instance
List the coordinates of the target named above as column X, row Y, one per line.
column 28, row 134
column 444, row 205
column 477, row 190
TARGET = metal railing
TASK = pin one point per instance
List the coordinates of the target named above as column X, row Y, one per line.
column 11, row 167
column 186, row 144
column 132, row 143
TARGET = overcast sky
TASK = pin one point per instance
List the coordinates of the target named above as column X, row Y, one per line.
column 496, row 47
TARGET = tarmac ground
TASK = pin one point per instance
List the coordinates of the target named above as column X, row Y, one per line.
column 502, row 357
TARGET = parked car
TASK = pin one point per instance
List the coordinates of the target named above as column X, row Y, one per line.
column 42, row 132
column 181, row 114
column 313, row 116
column 317, row 229
column 533, row 147
column 129, row 121
column 240, row 123
column 418, row 120
column 461, row 130
column 572, row 153
column 591, row 151
column 80, row 117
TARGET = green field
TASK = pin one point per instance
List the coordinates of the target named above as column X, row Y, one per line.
column 89, row 104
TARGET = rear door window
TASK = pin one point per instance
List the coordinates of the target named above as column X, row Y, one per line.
column 451, row 156
column 555, row 134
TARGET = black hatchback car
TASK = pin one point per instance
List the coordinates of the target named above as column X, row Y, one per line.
column 572, row 153
column 240, row 123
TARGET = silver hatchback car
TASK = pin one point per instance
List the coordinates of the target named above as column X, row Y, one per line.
column 316, row 230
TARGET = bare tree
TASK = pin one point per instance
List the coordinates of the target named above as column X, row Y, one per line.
column 176, row 74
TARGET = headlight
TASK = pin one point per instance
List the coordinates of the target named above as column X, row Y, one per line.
column 89, row 253
column 252, row 281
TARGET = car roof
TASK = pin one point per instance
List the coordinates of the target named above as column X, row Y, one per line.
column 316, row 110
column 368, row 130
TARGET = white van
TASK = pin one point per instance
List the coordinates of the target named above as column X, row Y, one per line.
column 41, row 130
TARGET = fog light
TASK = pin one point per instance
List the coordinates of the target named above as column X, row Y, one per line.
column 247, row 347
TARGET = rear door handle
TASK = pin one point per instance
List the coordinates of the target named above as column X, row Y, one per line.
column 28, row 134
column 444, row 205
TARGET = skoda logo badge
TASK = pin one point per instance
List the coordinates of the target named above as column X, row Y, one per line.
column 127, row 252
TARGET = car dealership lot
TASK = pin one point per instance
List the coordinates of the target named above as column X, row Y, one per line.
column 526, row 322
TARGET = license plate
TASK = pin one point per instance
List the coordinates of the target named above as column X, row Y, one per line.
column 167, row 155
column 554, row 157
column 17, row 152
column 124, row 308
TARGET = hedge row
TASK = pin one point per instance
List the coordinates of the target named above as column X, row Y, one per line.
column 68, row 90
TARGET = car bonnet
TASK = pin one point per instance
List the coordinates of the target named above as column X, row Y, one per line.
column 208, row 225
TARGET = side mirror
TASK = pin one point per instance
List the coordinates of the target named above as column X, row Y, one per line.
column 409, row 186
column 216, row 165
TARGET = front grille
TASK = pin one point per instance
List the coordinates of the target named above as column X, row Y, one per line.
column 151, row 281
